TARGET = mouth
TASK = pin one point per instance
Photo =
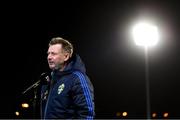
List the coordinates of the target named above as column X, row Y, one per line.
column 51, row 63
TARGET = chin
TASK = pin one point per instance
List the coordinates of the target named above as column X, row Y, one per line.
column 52, row 67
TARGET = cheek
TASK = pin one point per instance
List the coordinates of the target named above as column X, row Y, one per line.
column 59, row 59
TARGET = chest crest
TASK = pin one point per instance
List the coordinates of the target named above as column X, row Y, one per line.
column 61, row 88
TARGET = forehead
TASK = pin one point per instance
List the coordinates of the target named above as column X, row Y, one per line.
column 56, row 47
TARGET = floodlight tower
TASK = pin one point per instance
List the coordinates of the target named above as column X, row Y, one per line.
column 146, row 35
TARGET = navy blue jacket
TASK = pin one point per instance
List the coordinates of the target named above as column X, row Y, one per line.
column 70, row 94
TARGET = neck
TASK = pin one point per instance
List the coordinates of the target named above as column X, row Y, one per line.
column 63, row 67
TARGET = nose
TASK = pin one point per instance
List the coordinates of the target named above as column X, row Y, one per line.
column 49, row 57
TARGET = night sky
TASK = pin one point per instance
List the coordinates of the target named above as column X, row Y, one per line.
column 101, row 35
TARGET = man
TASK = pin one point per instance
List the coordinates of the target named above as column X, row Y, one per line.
column 69, row 95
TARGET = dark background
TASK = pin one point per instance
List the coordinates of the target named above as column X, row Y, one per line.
column 100, row 32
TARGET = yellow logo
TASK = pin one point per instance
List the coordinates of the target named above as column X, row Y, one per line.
column 61, row 88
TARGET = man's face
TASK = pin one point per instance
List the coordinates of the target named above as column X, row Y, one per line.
column 56, row 57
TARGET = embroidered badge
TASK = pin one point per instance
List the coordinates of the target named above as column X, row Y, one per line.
column 61, row 88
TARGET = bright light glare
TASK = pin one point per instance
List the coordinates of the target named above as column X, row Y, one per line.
column 154, row 115
column 124, row 114
column 17, row 113
column 165, row 114
column 145, row 34
column 25, row 105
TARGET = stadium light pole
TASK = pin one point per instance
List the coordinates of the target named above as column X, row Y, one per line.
column 146, row 35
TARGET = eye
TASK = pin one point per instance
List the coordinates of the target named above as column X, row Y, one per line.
column 52, row 53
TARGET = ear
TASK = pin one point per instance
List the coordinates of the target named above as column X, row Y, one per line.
column 66, row 56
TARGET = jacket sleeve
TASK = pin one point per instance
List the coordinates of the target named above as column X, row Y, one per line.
column 83, row 97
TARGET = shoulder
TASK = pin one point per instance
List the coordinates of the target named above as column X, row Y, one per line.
column 81, row 78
